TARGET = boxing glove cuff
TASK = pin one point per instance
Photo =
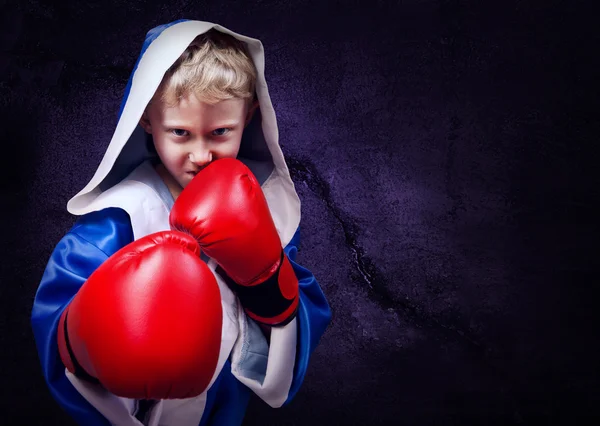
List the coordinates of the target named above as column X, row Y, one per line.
column 72, row 362
column 274, row 301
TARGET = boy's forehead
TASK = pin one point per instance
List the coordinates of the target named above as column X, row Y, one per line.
column 190, row 108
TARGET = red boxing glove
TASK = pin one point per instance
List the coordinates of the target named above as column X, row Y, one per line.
column 224, row 208
column 147, row 323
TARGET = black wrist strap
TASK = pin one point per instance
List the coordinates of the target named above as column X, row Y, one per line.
column 264, row 300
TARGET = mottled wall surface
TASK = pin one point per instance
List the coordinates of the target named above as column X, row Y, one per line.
column 442, row 153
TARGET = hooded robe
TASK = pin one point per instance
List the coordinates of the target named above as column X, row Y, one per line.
column 126, row 200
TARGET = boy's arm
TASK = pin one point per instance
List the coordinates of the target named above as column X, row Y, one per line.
column 277, row 377
column 92, row 240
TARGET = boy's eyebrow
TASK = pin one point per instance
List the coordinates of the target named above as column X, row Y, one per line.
column 177, row 125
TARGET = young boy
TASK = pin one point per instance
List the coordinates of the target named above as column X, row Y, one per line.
column 132, row 326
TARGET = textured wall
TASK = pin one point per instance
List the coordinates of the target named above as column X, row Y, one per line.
column 441, row 150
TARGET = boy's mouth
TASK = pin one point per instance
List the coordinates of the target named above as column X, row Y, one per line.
column 193, row 173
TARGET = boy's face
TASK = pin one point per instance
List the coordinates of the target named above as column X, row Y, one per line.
column 190, row 135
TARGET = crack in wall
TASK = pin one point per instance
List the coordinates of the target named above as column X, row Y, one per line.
column 303, row 170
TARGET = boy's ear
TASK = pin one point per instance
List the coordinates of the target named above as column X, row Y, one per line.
column 145, row 122
column 250, row 112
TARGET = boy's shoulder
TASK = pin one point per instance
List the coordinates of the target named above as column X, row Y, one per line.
column 106, row 228
column 135, row 201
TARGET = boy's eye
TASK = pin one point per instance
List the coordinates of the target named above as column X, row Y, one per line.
column 218, row 132
column 178, row 132
column 221, row 132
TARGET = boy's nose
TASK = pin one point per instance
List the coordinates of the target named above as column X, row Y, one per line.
column 200, row 156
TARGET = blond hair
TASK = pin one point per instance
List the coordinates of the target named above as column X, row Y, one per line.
column 214, row 67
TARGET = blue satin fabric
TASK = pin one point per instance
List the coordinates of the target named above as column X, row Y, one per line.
column 94, row 238
column 90, row 242
column 314, row 315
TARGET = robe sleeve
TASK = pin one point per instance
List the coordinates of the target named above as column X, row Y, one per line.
column 93, row 238
column 275, row 372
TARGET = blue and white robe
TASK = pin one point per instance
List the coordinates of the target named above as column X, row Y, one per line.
column 126, row 200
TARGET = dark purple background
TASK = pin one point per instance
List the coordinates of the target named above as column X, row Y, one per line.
column 442, row 152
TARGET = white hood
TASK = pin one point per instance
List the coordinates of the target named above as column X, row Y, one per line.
column 259, row 149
